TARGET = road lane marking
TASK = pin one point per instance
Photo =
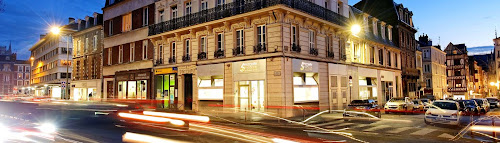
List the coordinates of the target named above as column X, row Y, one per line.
column 339, row 125
column 328, row 123
column 423, row 132
column 446, row 135
column 399, row 130
column 376, row 128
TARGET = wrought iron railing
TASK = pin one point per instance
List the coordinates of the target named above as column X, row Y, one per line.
column 159, row 61
column 186, row 58
column 244, row 6
column 202, row 56
column 313, row 51
column 171, row 60
column 330, row 54
column 238, row 51
column 219, row 54
column 296, row 48
column 260, row 48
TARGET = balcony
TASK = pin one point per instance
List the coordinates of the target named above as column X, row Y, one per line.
column 239, row 51
column 219, row 54
column 159, row 61
column 186, row 58
column 296, row 48
column 202, row 56
column 260, row 48
column 330, row 54
column 171, row 60
column 313, row 51
column 240, row 7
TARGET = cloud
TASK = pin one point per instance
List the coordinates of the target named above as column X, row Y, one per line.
column 481, row 50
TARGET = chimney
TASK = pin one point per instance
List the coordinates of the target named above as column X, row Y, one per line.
column 71, row 20
column 42, row 36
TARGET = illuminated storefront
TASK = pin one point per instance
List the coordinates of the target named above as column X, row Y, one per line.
column 166, row 87
column 133, row 84
column 211, row 82
column 249, row 80
column 305, row 81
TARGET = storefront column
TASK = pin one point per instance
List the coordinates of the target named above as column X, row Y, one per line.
column 324, row 100
column 229, row 89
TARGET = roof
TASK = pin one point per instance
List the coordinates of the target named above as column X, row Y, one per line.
column 22, row 62
column 483, row 60
column 370, row 35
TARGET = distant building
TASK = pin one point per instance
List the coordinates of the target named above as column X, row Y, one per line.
column 52, row 62
column 496, row 66
column 487, row 64
column 7, row 71
column 87, row 59
column 457, row 70
column 477, row 79
column 434, row 68
column 22, row 73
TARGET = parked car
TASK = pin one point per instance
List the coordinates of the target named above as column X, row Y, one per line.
column 418, row 105
column 470, row 107
column 362, row 108
column 483, row 103
column 493, row 102
column 427, row 103
column 398, row 104
column 443, row 112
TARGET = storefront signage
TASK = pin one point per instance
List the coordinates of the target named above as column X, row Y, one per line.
column 304, row 66
column 210, row 70
column 122, row 77
column 187, row 70
column 166, row 70
column 249, row 70
column 142, row 76
column 249, row 67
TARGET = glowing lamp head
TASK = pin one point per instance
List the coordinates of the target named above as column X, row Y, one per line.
column 355, row 29
column 47, row 128
column 32, row 58
column 492, row 83
column 55, row 30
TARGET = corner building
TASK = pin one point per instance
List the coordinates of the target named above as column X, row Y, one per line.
column 270, row 55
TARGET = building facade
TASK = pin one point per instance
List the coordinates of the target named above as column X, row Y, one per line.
column 51, row 67
column 457, row 71
column 267, row 55
column 22, row 73
column 128, row 54
column 404, row 30
column 496, row 68
column 477, row 80
column 434, row 69
column 87, row 59
column 7, row 71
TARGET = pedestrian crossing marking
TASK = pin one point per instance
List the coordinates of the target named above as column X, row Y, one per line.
column 399, row 130
column 328, row 123
column 445, row 135
column 423, row 132
column 339, row 125
column 376, row 128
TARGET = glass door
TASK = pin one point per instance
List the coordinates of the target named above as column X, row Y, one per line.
column 257, row 92
column 142, row 89
column 131, row 90
column 122, row 85
column 244, row 92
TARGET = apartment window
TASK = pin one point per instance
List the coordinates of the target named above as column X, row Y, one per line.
column 120, row 54
column 204, row 5
column 261, row 35
column 187, row 47
column 389, row 34
column 382, row 31
column 427, row 68
column 328, row 40
column 7, row 78
column 132, row 52
column 20, row 69
column 19, row 75
column 458, row 72
column 160, row 18
column 188, row 8
column 172, row 51
column 110, row 32
column 109, row 56
column 78, row 47
column 389, row 62
column 426, row 54
column 396, row 60
column 95, row 43
column 381, row 56
column 160, row 53
column 220, row 42
column 372, row 55
column 311, row 39
column 203, row 44
column 145, row 16
column 294, row 35
column 174, row 12
column 144, row 49
column 221, row 2
column 239, row 39
column 428, row 83
column 127, row 22
column 339, row 7
column 86, row 46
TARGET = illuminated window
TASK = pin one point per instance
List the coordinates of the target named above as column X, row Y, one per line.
column 127, row 22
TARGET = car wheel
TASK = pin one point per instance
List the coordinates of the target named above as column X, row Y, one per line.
column 428, row 123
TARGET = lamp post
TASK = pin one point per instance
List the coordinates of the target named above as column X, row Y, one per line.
column 57, row 31
column 32, row 59
column 497, row 84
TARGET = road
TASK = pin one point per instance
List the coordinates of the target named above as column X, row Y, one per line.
column 79, row 123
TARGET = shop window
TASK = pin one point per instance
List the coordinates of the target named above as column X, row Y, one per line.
column 367, row 88
column 211, row 88
column 305, row 87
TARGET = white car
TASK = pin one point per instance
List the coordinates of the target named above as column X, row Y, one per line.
column 443, row 112
column 399, row 104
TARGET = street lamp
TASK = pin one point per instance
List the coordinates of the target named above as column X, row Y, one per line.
column 32, row 59
column 56, row 30
column 355, row 29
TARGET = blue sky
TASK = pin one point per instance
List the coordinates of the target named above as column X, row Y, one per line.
column 456, row 21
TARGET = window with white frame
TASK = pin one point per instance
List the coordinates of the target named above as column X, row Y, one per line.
column 132, row 52
column 187, row 5
column 20, row 68
column 374, row 25
column 220, row 41
column 160, row 53
column 239, row 39
column 389, row 34
column 294, row 35
column 173, row 13
column 204, row 5
column 95, row 43
column 19, row 83
column 389, row 61
column 120, row 54
column 127, row 22
column 187, row 47
column 144, row 49
column 203, row 44
column 382, row 31
column 145, row 16
column 311, row 39
column 19, row 75
column 109, row 56
column 221, row 2
column 261, row 35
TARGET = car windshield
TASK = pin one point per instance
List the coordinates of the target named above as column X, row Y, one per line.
column 415, row 102
column 397, row 100
column 479, row 102
column 425, row 100
column 491, row 99
column 445, row 105
column 469, row 102
column 359, row 101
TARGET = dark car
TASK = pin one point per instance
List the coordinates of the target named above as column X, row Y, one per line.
column 362, row 108
column 470, row 107
column 493, row 102
column 483, row 104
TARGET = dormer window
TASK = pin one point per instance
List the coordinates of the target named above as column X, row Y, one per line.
column 382, row 30
column 389, row 33
column 374, row 25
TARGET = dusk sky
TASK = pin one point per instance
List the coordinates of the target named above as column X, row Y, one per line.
column 456, row 21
